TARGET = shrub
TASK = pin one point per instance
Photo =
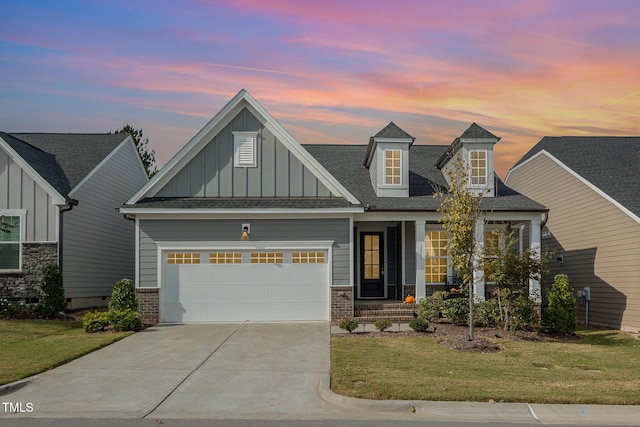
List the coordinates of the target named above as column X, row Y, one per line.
column 123, row 296
column 95, row 321
column 419, row 324
column 349, row 325
column 524, row 314
column 431, row 306
column 488, row 313
column 125, row 320
column 382, row 324
column 52, row 301
column 456, row 310
column 560, row 315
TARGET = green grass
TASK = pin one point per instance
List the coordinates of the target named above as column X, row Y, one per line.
column 601, row 368
column 28, row 347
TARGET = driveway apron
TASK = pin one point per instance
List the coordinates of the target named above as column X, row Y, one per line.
column 221, row 370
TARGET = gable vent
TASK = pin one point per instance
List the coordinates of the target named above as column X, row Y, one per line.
column 245, row 149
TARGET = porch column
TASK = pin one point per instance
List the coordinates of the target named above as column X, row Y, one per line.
column 535, row 292
column 478, row 272
column 421, row 291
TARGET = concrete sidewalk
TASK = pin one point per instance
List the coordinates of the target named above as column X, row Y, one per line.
column 270, row 371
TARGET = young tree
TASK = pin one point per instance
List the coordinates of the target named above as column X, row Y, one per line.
column 459, row 215
column 147, row 155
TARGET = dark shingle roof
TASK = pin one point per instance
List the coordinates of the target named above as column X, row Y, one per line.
column 343, row 161
column 77, row 154
column 43, row 163
column 473, row 132
column 392, row 131
column 611, row 163
column 243, row 203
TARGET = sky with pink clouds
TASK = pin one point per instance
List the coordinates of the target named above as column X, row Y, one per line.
column 330, row 71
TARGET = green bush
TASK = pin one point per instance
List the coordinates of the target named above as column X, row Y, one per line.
column 349, row 324
column 52, row 301
column 456, row 310
column 524, row 314
column 560, row 315
column 95, row 321
column 419, row 324
column 382, row 324
column 123, row 296
column 487, row 313
column 430, row 307
column 125, row 320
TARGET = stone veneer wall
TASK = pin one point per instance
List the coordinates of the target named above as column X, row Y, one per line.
column 149, row 305
column 25, row 285
column 341, row 302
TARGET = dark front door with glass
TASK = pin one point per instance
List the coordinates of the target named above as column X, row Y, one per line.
column 371, row 265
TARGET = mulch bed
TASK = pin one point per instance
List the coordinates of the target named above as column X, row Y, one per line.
column 456, row 337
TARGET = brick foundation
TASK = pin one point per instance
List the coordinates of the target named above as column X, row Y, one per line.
column 148, row 305
column 408, row 290
column 25, row 285
column 341, row 302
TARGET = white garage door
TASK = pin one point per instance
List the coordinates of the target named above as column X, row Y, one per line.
column 238, row 285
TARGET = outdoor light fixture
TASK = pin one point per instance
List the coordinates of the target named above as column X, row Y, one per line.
column 246, row 231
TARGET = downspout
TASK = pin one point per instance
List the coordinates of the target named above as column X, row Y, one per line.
column 70, row 205
column 544, row 221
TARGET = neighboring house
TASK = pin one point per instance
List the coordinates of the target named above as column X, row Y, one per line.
column 246, row 223
column 59, row 194
column 591, row 186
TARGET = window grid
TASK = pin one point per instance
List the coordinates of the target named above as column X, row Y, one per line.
column 267, row 258
column 10, row 243
column 435, row 260
column 478, row 167
column 392, row 167
column 183, row 258
column 307, row 257
column 225, row 258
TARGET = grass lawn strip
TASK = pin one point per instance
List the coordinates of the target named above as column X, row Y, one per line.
column 596, row 369
column 28, row 347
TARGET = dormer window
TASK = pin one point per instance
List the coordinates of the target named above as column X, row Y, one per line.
column 244, row 149
column 392, row 174
column 478, row 162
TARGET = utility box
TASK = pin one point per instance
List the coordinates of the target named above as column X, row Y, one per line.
column 586, row 294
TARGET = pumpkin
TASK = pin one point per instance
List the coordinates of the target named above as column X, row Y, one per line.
column 409, row 299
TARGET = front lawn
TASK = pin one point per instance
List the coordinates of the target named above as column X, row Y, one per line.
column 28, row 347
column 600, row 368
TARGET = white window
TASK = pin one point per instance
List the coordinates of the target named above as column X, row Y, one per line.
column 244, row 149
column 478, row 160
column 10, row 242
column 392, row 167
column 435, row 256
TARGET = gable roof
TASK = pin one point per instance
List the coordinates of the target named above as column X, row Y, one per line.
column 390, row 132
column 609, row 164
column 242, row 100
column 474, row 133
column 62, row 160
column 424, row 180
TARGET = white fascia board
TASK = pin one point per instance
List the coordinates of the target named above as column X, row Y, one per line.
column 480, row 140
column 190, row 149
column 245, row 245
column 56, row 197
column 244, row 212
column 127, row 140
column 579, row 178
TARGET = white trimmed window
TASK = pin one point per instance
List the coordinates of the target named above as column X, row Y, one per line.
column 307, row 257
column 183, row 258
column 392, row 170
column 10, row 242
column 225, row 258
column 478, row 161
column 267, row 258
column 435, row 256
column 244, row 149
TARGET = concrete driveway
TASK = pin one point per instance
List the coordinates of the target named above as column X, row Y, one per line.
column 221, row 370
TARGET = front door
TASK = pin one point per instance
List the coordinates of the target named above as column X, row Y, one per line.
column 371, row 265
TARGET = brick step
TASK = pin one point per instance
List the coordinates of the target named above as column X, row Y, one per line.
column 385, row 312
column 394, row 319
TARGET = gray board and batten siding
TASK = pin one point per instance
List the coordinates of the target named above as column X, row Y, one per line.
column 227, row 230
column 211, row 173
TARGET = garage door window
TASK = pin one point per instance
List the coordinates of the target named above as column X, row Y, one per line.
column 307, row 257
column 183, row 258
column 267, row 258
column 225, row 258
